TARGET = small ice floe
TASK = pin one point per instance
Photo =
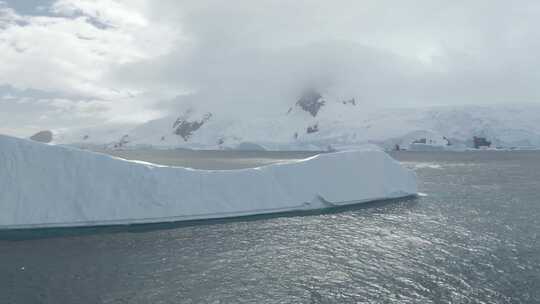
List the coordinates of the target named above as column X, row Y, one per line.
column 428, row 165
column 417, row 165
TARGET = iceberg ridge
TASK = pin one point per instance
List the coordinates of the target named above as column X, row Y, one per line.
column 53, row 186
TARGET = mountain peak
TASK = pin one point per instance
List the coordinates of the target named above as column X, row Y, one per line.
column 311, row 101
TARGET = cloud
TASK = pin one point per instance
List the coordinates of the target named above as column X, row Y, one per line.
column 66, row 52
column 382, row 52
column 142, row 58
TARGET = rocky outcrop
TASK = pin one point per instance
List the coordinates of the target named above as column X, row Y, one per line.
column 351, row 101
column 185, row 128
column 124, row 140
column 43, row 136
column 311, row 102
column 481, row 142
column 312, row 129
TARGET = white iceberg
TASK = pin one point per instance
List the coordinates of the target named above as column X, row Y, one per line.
column 53, row 186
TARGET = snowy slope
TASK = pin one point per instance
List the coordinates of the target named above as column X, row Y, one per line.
column 320, row 123
column 45, row 185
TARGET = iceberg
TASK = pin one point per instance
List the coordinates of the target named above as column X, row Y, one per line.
column 44, row 185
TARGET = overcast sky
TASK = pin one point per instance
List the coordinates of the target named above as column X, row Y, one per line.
column 73, row 63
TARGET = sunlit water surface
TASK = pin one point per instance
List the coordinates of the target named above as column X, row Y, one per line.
column 472, row 239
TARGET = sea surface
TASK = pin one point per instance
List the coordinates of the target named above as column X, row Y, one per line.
column 472, row 238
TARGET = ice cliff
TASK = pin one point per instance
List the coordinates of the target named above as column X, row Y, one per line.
column 50, row 186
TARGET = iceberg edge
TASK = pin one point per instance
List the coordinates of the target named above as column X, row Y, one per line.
column 44, row 186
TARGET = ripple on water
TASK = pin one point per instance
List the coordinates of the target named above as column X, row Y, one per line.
column 474, row 239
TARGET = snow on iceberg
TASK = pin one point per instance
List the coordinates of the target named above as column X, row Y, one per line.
column 52, row 186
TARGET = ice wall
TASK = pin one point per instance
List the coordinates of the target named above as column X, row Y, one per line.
column 49, row 186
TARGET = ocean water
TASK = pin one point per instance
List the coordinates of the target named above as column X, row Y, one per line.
column 472, row 238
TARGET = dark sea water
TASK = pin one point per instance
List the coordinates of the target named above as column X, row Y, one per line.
column 473, row 239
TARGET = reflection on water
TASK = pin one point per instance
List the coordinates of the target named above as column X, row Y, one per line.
column 472, row 239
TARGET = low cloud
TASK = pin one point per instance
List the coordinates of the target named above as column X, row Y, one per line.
column 140, row 59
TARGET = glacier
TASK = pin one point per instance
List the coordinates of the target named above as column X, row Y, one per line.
column 340, row 125
column 43, row 185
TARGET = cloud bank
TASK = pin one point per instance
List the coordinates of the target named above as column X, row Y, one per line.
column 83, row 62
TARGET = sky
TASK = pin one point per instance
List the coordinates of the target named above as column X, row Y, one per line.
column 81, row 63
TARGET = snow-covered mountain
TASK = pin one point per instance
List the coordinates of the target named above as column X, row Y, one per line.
column 315, row 122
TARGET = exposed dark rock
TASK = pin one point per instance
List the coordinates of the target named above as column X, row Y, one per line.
column 448, row 142
column 185, row 128
column 480, row 142
column 423, row 140
column 311, row 101
column 313, row 129
column 295, row 135
column 350, row 101
column 124, row 140
column 43, row 136
column 86, row 137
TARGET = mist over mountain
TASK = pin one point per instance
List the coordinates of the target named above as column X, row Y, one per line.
column 322, row 122
column 94, row 63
